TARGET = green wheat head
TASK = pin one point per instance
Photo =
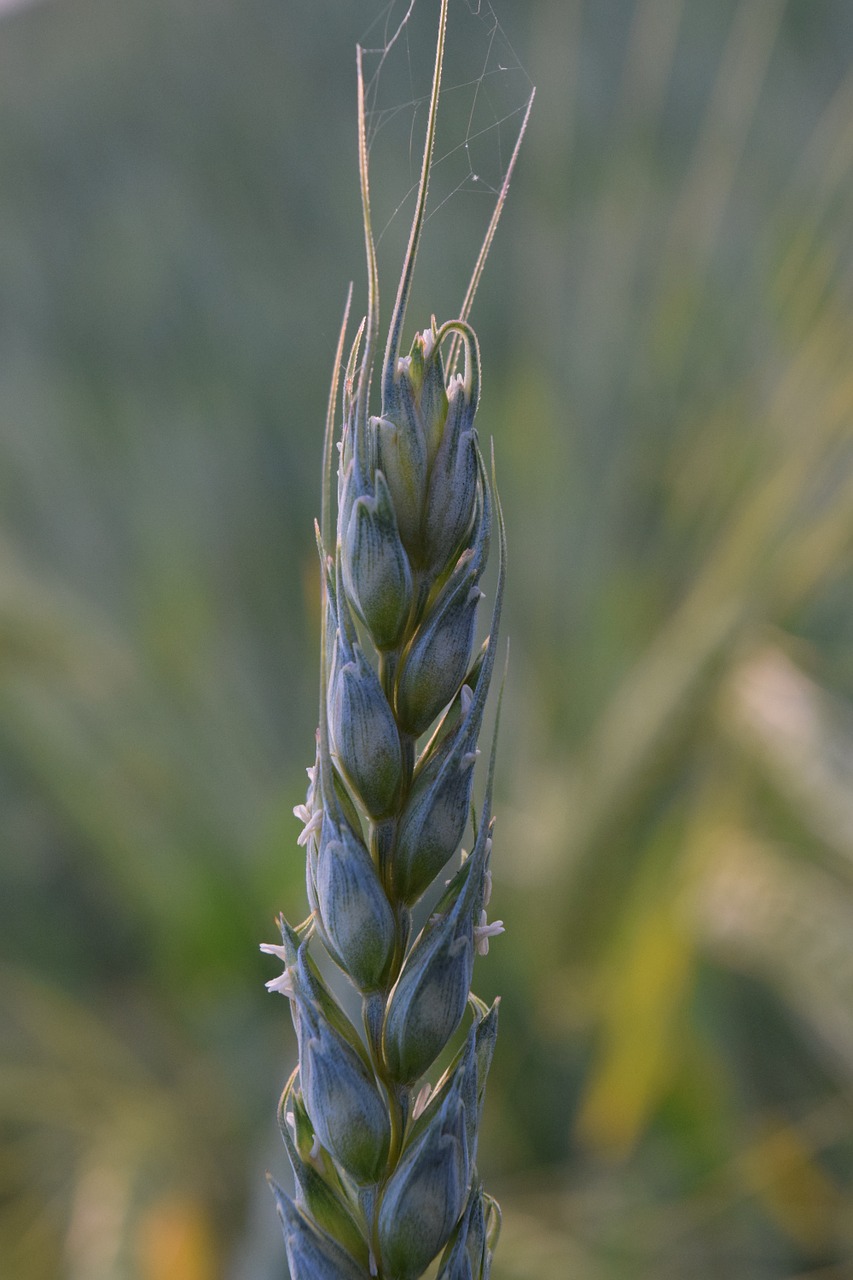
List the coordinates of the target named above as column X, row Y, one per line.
column 383, row 1153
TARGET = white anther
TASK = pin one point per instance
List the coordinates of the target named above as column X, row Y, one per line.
column 284, row 982
column 371, row 1261
column 483, row 931
column 466, row 697
column 274, row 949
column 475, row 594
column 468, row 759
column 314, row 1153
column 487, row 888
column 313, row 825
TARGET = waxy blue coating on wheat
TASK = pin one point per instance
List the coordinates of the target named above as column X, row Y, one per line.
column 384, row 1158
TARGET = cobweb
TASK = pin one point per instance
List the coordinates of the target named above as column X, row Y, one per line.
column 484, row 98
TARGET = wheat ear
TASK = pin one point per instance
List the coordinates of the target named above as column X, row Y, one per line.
column 383, row 1153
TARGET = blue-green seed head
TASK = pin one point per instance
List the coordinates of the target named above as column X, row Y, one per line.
column 426, row 1194
column 426, row 357
column 313, row 1192
column 408, row 435
column 346, row 1109
column 467, row 1256
column 354, row 909
column 428, row 1001
column 434, row 819
column 364, row 735
column 311, row 1254
column 438, row 805
column 467, row 1073
column 384, row 1186
column 439, row 655
column 452, row 493
column 402, row 460
column 485, row 1037
column 376, row 571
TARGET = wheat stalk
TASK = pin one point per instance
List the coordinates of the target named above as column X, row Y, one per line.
column 383, row 1153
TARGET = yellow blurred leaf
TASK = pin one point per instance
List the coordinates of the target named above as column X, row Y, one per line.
column 174, row 1238
column 798, row 1193
column 641, row 1020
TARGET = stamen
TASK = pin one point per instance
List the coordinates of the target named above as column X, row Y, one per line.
column 273, row 949
column 313, row 825
column 483, row 931
column 284, row 982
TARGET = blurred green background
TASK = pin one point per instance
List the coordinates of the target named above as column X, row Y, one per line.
column 667, row 330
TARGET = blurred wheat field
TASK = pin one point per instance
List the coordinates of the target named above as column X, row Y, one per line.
column 667, row 328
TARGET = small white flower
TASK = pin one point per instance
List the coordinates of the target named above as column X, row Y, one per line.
column 274, row 949
column 284, row 982
column 483, row 931
column 313, row 822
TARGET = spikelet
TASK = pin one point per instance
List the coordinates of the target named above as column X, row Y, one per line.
column 384, row 1158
